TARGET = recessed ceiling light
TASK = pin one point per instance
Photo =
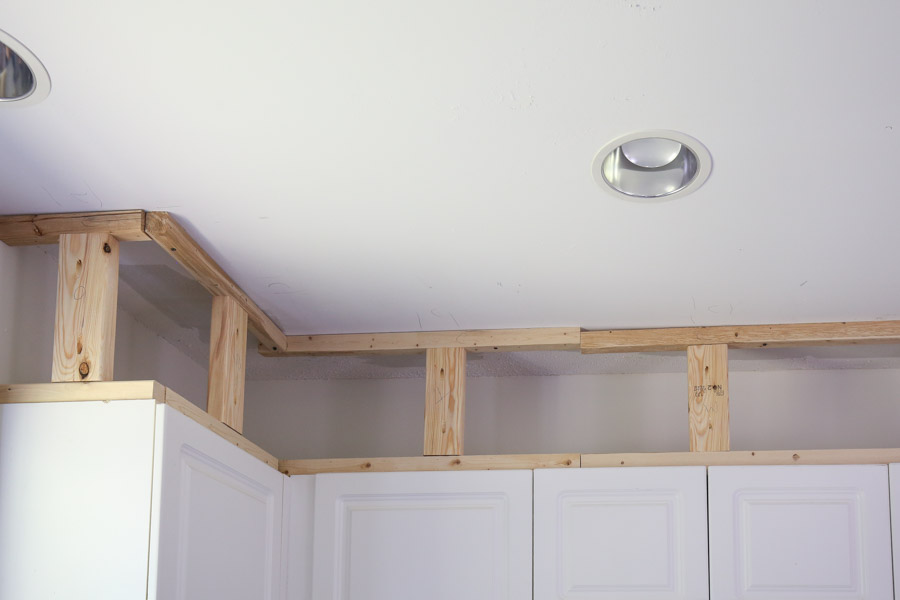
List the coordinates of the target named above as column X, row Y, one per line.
column 23, row 79
column 652, row 165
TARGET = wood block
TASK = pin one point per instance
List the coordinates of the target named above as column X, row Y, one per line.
column 708, row 397
column 445, row 401
column 28, row 230
column 86, row 301
column 227, row 362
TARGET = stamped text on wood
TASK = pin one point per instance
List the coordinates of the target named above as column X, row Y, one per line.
column 708, row 397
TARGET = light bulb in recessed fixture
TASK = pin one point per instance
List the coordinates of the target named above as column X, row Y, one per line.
column 652, row 165
column 651, row 152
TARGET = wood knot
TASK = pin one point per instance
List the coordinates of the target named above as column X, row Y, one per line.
column 796, row 457
column 569, row 463
column 368, row 465
column 455, row 462
column 106, row 248
column 84, row 369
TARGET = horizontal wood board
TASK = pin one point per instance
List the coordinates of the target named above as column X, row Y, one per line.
column 30, row 230
column 429, row 463
column 741, row 336
column 483, row 340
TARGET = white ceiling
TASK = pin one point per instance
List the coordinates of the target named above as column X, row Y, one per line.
column 399, row 166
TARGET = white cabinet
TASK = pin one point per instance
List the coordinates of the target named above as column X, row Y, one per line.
column 800, row 532
column 441, row 536
column 75, row 493
column 217, row 517
column 85, row 485
column 629, row 533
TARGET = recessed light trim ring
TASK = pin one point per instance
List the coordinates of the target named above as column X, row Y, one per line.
column 652, row 166
column 23, row 78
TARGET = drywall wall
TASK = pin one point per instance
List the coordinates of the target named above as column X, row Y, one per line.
column 797, row 409
column 27, row 311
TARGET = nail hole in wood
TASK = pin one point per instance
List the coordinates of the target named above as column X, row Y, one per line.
column 106, row 248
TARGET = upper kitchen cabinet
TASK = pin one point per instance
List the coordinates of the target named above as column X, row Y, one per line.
column 435, row 535
column 620, row 533
column 85, row 485
column 800, row 532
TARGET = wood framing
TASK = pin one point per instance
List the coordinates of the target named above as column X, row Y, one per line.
column 874, row 456
column 28, row 230
column 741, row 336
column 430, row 463
column 227, row 362
column 484, row 340
column 173, row 238
column 445, row 401
column 15, row 393
column 708, row 398
column 86, row 304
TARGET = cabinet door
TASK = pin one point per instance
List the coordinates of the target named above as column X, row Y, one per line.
column 75, row 480
column 216, row 531
column 434, row 535
column 800, row 532
column 629, row 533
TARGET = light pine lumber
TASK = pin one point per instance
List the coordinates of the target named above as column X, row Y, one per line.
column 86, row 303
column 227, row 362
column 28, row 230
column 496, row 462
column 870, row 456
column 484, row 340
column 741, row 336
column 190, row 410
column 445, row 401
column 15, row 393
column 172, row 237
column 708, row 398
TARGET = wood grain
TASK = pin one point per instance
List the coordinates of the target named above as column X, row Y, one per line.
column 876, row 456
column 105, row 391
column 741, row 336
column 445, row 401
column 28, row 230
column 708, row 398
column 484, row 340
column 227, row 362
column 203, row 418
column 173, row 238
column 86, row 303
column 430, row 463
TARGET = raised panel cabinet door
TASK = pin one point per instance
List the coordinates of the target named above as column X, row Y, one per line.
column 804, row 532
column 620, row 534
column 75, row 481
column 431, row 535
column 216, row 521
